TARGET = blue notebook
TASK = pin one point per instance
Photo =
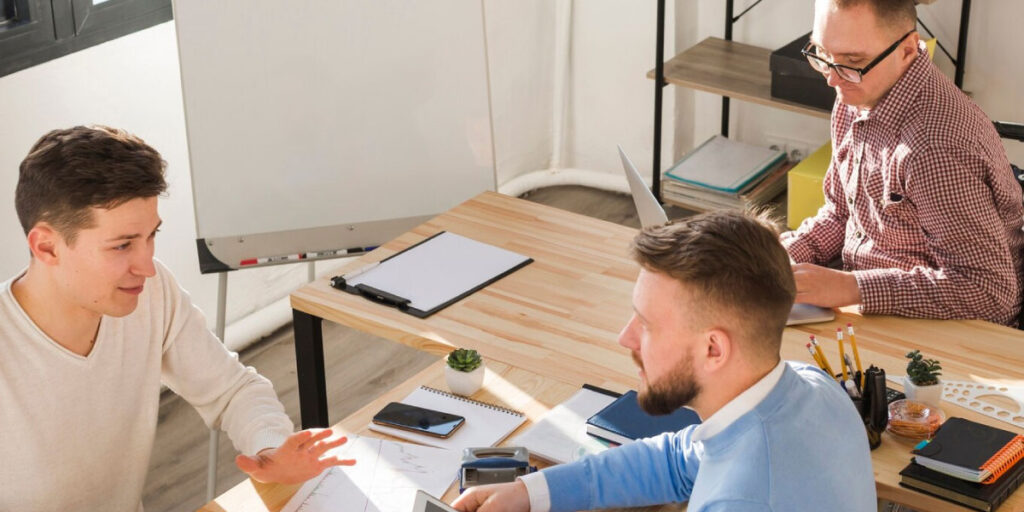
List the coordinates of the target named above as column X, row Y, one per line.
column 623, row 421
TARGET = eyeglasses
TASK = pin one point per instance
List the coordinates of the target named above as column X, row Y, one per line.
column 848, row 73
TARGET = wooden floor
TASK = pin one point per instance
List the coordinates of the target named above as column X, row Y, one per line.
column 359, row 368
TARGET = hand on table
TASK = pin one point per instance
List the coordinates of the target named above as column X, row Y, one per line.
column 510, row 497
column 825, row 287
column 298, row 459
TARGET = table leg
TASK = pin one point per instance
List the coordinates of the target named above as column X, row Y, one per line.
column 309, row 365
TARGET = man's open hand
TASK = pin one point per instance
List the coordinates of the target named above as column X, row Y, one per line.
column 300, row 458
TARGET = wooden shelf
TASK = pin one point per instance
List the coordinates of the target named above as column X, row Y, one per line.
column 730, row 69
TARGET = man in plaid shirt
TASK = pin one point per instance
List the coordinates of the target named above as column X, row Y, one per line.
column 920, row 201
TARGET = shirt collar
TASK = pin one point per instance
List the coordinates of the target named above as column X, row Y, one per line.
column 896, row 103
column 742, row 404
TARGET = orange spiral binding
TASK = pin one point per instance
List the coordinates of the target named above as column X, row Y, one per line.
column 1004, row 459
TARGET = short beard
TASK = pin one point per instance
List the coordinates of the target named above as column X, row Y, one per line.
column 676, row 390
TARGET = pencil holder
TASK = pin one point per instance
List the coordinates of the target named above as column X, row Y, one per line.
column 863, row 395
column 873, row 404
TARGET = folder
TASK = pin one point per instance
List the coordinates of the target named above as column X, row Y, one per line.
column 725, row 165
column 623, row 421
column 433, row 274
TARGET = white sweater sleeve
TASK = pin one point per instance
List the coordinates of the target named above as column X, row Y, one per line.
column 197, row 366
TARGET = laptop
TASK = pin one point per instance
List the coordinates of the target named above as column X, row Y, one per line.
column 427, row 503
column 652, row 214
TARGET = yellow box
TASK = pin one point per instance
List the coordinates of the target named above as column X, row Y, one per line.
column 805, row 186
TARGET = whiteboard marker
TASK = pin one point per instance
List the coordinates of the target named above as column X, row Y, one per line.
column 272, row 259
column 338, row 252
column 327, row 254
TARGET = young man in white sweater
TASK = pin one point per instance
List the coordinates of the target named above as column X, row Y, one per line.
column 94, row 326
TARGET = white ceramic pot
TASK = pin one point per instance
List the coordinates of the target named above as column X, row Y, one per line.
column 464, row 383
column 931, row 395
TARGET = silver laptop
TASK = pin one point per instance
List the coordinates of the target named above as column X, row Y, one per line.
column 652, row 214
column 427, row 503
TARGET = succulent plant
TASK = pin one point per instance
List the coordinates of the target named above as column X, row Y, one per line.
column 921, row 371
column 464, row 360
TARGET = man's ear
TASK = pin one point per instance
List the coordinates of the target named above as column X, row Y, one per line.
column 42, row 242
column 908, row 49
column 719, row 347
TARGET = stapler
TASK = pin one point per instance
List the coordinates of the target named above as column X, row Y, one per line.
column 493, row 465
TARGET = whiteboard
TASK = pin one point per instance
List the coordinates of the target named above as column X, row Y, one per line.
column 321, row 125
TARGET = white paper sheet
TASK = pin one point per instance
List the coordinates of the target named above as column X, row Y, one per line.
column 384, row 479
column 561, row 435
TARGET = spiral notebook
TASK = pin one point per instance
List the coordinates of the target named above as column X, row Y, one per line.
column 971, row 451
column 486, row 424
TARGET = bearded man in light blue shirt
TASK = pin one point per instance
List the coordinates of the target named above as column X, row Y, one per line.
column 710, row 305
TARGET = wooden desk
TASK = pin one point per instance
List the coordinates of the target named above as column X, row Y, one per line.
column 560, row 317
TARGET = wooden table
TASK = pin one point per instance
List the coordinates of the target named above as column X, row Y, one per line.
column 558, row 316
column 558, row 319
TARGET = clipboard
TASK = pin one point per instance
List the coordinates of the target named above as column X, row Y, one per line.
column 432, row 274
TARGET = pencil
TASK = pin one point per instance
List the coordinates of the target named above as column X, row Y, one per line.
column 842, row 354
column 814, row 355
column 821, row 355
column 853, row 346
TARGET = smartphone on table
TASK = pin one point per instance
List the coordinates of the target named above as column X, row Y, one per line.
column 417, row 419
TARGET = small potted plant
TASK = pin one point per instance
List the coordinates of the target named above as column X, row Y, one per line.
column 464, row 372
column 922, row 382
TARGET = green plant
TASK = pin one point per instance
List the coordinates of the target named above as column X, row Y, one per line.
column 921, row 371
column 464, row 360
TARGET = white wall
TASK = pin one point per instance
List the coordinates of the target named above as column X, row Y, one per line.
column 611, row 98
column 520, row 51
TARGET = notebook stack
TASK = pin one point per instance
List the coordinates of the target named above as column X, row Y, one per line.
column 724, row 173
column 969, row 463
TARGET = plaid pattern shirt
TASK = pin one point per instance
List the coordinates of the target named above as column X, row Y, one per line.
column 921, row 204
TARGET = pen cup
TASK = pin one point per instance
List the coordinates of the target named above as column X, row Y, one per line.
column 870, row 405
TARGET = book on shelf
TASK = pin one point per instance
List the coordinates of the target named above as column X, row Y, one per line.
column 757, row 192
column 985, row 497
column 623, row 421
column 971, row 451
column 725, row 165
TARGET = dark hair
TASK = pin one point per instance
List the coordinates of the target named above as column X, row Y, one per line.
column 69, row 171
column 897, row 15
column 735, row 264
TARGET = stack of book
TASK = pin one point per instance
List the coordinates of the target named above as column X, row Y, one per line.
column 724, row 173
column 969, row 463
